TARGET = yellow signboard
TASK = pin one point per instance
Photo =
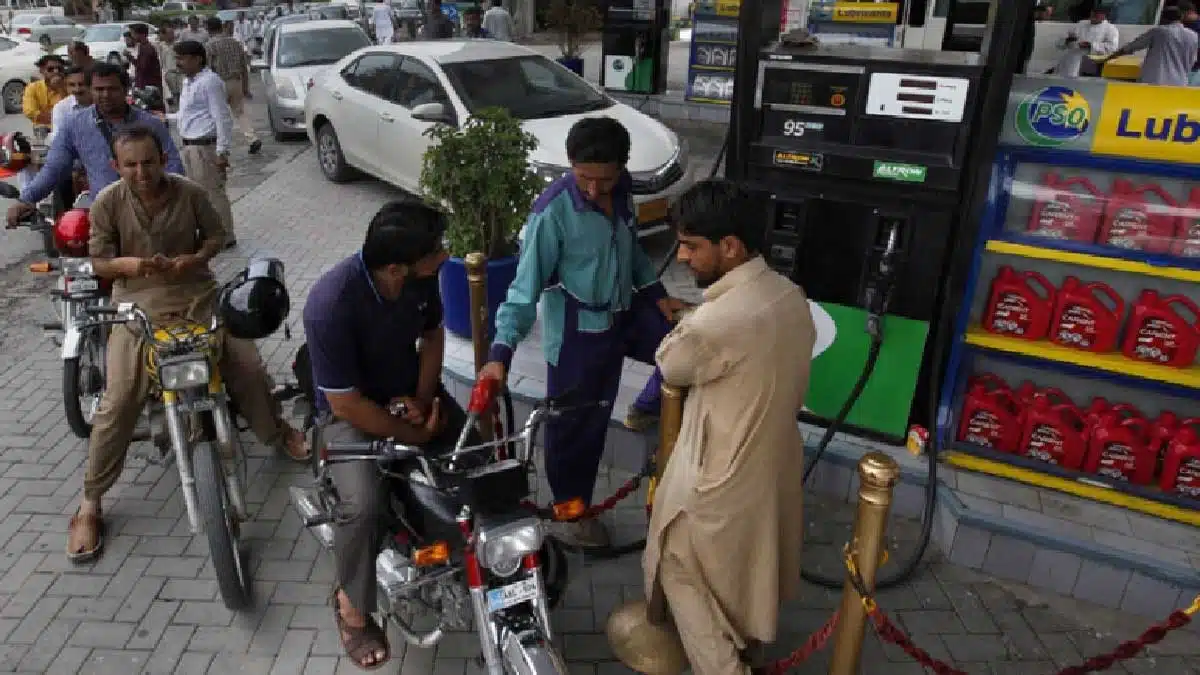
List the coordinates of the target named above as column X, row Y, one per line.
column 1147, row 122
column 866, row 12
column 729, row 7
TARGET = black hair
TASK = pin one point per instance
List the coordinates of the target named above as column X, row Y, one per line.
column 1184, row 6
column 139, row 29
column 75, row 70
column 79, row 46
column 41, row 62
column 106, row 69
column 401, row 233
column 598, row 140
column 717, row 208
column 136, row 132
column 1171, row 15
column 191, row 48
column 213, row 24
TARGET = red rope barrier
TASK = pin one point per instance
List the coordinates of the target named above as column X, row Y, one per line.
column 813, row 644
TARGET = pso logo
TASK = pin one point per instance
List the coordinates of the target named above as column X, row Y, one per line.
column 1053, row 117
column 618, row 65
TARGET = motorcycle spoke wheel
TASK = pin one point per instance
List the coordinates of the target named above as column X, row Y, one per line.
column 219, row 526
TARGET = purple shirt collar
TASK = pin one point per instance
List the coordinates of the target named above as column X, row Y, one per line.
column 621, row 196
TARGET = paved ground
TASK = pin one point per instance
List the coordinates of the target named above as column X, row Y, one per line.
column 150, row 604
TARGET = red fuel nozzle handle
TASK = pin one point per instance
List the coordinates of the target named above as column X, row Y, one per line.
column 483, row 395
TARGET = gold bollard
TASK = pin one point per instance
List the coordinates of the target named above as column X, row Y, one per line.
column 639, row 632
column 877, row 474
column 476, row 264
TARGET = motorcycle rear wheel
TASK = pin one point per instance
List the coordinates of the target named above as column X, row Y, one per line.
column 73, row 383
column 219, row 526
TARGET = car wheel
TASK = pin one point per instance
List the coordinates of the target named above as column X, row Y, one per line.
column 329, row 155
column 13, row 94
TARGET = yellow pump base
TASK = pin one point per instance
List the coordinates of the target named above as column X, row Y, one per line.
column 643, row 646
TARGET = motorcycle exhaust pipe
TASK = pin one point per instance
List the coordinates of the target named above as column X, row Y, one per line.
column 312, row 514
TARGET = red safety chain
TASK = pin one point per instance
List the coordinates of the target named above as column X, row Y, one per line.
column 813, row 644
column 628, row 488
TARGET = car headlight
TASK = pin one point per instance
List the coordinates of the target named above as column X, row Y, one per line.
column 501, row 548
column 183, row 374
column 284, row 88
column 547, row 172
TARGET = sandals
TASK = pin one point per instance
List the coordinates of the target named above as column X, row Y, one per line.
column 286, row 449
column 361, row 642
column 92, row 521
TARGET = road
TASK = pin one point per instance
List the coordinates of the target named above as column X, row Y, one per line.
column 150, row 604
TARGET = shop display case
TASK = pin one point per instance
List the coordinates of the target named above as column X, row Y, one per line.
column 1075, row 364
column 713, row 52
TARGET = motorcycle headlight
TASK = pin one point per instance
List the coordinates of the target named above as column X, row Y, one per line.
column 183, row 374
column 501, row 548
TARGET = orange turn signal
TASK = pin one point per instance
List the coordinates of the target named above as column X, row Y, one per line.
column 40, row 268
column 437, row 553
column 571, row 509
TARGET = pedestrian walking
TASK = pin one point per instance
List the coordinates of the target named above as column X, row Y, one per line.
column 206, row 127
column 172, row 78
column 498, row 22
column 723, row 549
column 381, row 17
column 228, row 59
column 147, row 71
column 193, row 32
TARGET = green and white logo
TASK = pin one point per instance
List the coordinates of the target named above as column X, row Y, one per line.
column 905, row 173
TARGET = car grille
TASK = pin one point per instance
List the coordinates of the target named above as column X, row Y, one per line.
column 650, row 183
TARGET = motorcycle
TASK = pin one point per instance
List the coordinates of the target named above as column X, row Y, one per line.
column 462, row 542
column 189, row 418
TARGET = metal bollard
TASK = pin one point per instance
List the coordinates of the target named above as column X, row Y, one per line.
column 877, row 474
column 476, row 264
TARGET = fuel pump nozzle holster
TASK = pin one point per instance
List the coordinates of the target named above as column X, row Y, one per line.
column 880, row 281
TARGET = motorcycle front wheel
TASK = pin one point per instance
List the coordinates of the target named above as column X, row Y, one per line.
column 219, row 526
column 83, row 378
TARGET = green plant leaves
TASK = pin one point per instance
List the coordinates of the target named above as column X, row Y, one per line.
column 480, row 174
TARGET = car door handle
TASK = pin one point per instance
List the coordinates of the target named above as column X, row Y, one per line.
column 386, row 117
column 337, row 95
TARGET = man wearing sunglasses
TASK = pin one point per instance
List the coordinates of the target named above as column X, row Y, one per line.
column 41, row 96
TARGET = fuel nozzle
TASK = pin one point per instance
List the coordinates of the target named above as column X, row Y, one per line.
column 878, row 292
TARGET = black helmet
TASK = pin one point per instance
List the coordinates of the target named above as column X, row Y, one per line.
column 255, row 304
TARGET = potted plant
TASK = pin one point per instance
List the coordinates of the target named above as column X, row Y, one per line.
column 571, row 20
column 480, row 174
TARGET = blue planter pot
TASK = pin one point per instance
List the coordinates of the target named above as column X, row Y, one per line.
column 573, row 65
column 456, row 294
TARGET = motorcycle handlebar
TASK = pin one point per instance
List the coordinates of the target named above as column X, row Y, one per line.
column 379, row 450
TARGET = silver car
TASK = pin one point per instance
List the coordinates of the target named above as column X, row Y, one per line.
column 293, row 55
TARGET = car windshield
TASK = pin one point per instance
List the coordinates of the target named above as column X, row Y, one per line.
column 108, row 33
column 319, row 47
column 25, row 19
column 528, row 87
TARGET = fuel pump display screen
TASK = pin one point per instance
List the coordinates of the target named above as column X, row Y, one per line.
column 810, row 103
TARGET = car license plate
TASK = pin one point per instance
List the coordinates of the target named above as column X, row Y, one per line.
column 512, row 594
column 652, row 211
column 82, row 285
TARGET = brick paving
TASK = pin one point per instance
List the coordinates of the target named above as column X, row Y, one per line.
column 150, row 604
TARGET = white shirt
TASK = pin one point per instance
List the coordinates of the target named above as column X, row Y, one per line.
column 243, row 31
column 382, row 17
column 498, row 23
column 204, row 110
column 1103, row 39
column 58, row 116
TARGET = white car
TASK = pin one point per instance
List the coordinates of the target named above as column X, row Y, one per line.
column 17, row 69
column 104, row 39
column 370, row 111
column 32, row 27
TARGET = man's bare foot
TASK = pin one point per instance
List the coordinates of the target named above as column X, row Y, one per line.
column 294, row 445
column 364, row 641
column 85, row 533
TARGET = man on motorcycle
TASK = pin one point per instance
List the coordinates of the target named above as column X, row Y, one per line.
column 363, row 320
column 40, row 97
column 155, row 235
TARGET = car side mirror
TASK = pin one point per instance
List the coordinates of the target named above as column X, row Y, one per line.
column 436, row 113
column 258, row 65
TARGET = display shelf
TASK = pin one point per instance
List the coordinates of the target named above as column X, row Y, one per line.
column 1143, row 499
column 1114, row 363
column 1085, row 372
column 1097, row 257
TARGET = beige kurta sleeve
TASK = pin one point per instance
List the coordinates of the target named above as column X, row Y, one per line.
column 688, row 357
column 104, row 240
column 208, row 221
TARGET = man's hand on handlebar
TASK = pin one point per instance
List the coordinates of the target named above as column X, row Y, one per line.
column 494, row 370
column 19, row 212
column 432, row 424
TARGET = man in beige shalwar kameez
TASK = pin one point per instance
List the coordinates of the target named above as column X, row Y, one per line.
column 724, row 544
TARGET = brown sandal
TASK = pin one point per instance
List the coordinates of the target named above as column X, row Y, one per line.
column 96, row 523
column 361, row 642
column 285, row 448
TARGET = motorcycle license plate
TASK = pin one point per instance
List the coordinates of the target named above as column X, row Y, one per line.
column 82, row 285
column 198, row 405
column 512, row 594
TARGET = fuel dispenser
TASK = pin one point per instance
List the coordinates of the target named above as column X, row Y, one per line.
column 635, row 41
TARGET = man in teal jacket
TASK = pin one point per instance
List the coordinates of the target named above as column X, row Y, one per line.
column 603, row 302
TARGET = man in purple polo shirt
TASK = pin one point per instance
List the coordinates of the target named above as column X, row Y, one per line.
column 362, row 321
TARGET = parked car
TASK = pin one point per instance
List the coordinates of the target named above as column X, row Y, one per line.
column 16, row 71
column 31, row 28
column 371, row 110
column 295, row 54
column 105, row 39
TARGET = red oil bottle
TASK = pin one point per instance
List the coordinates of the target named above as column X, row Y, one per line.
column 1016, row 308
column 1119, row 448
column 1054, row 433
column 1028, row 391
column 990, row 418
column 1083, row 320
column 1140, row 218
column 1159, row 333
column 1187, row 238
column 1068, row 209
column 1181, row 465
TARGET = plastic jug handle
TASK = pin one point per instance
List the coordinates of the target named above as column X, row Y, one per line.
column 1082, row 181
column 1056, row 396
column 1127, row 409
column 1168, row 199
column 1137, row 424
column 1042, row 281
column 1070, row 413
column 1118, row 305
column 1187, row 303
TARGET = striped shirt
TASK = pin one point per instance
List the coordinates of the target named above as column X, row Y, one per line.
column 226, row 57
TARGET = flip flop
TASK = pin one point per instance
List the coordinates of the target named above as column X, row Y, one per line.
column 282, row 448
column 361, row 642
column 94, row 521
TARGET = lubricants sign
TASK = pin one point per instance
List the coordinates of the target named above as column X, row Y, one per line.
column 1125, row 120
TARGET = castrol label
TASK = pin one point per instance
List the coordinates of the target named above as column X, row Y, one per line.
column 1187, row 481
column 1046, row 444
column 1011, row 314
column 1118, row 461
column 1057, row 220
column 1077, row 327
column 1189, row 239
column 1156, row 341
column 983, row 429
column 1130, row 228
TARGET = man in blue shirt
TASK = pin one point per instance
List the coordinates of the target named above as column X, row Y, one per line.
column 86, row 137
column 362, row 321
column 602, row 302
